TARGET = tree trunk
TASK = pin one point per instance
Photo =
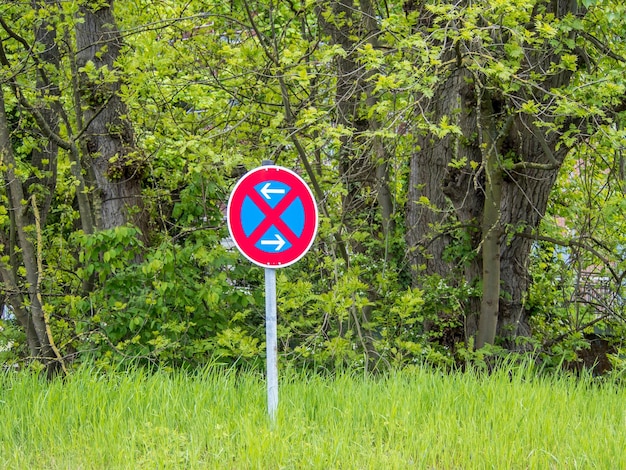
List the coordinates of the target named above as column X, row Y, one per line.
column 525, row 194
column 15, row 301
column 363, row 160
column 489, row 137
column 445, row 192
column 109, row 138
column 444, row 198
column 40, row 343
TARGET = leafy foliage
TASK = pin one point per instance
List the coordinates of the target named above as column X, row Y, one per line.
column 213, row 88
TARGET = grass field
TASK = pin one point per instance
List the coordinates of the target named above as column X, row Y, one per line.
column 416, row 418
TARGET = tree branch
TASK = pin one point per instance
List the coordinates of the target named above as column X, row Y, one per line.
column 578, row 244
column 601, row 46
column 554, row 163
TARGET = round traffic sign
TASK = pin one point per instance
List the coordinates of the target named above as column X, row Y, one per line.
column 272, row 216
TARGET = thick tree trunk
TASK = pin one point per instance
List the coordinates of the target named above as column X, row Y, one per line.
column 525, row 194
column 109, row 138
column 430, row 209
column 455, row 196
column 442, row 196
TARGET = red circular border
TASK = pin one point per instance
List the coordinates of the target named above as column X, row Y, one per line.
column 233, row 216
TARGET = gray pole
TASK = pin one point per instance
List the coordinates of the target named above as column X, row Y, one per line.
column 271, row 346
column 271, row 342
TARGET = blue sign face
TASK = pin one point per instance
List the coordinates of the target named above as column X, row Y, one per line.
column 290, row 221
column 272, row 216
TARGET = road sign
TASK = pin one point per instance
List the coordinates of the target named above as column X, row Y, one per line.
column 272, row 216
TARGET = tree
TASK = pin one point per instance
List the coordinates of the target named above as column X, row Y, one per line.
column 35, row 124
column 29, row 204
column 431, row 132
column 508, row 111
column 34, row 320
column 486, row 94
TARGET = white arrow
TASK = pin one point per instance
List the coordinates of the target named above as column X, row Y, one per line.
column 267, row 192
column 279, row 242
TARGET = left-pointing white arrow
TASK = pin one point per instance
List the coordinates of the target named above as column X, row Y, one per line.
column 279, row 242
column 267, row 191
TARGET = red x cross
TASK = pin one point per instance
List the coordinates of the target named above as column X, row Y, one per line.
column 272, row 216
column 297, row 189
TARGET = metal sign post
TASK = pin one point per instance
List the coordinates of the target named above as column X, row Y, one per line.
column 272, row 220
column 271, row 342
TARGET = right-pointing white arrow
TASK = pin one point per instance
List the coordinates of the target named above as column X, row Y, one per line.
column 279, row 242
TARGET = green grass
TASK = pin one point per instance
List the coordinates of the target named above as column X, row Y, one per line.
column 411, row 419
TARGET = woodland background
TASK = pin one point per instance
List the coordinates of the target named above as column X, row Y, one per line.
column 467, row 159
